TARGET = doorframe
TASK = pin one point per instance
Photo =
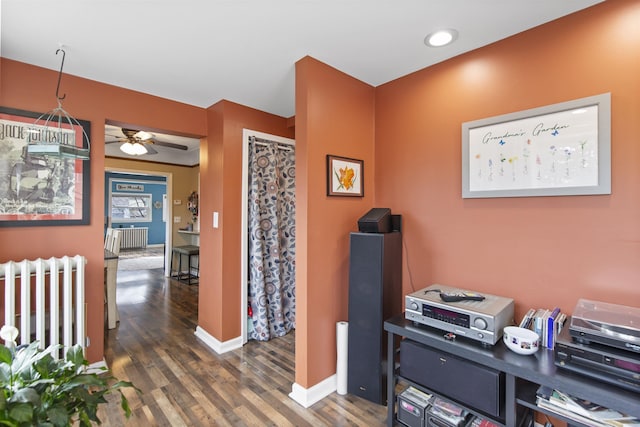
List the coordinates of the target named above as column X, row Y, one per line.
column 168, row 212
column 244, row 235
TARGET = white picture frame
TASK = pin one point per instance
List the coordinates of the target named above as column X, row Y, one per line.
column 556, row 150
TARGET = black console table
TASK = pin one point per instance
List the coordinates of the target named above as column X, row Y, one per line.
column 522, row 374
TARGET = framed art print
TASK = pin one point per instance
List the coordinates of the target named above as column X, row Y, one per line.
column 557, row 150
column 344, row 176
column 38, row 189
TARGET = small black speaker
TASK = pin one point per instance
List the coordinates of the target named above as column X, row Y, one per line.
column 377, row 220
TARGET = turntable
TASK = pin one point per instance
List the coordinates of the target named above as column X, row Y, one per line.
column 608, row 324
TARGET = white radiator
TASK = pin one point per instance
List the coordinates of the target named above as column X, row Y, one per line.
column 58, row 307
column 135, row 237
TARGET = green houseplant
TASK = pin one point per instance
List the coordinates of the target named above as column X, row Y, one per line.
column 39, row 389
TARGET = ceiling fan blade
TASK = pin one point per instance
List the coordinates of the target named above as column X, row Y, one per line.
column 170, row 145
column 114, row 141
column 150, row 149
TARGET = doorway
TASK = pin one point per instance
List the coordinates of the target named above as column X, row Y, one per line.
column 165, row 207
column 265, row 139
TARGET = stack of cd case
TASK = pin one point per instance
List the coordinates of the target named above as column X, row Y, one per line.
column 412, row 407
column 443, row 413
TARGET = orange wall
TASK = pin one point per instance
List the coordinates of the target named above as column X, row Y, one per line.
column 541, row 251
column 334, row 115
column 31, row 88
column 221, row 190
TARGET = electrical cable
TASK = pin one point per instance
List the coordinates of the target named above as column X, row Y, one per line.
column 406, row 251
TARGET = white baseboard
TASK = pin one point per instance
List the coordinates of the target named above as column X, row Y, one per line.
column 98, row 367
column 308, row 396
column 215, row 345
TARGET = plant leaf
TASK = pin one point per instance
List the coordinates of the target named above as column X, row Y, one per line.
column 85, row 421
column 88, row 379
column 21, row 412
column 26, row 395
column 124, row 403
column 76, row 356
column 5, row 374
column 122, row 384
column 5, row 355
column 58, row 416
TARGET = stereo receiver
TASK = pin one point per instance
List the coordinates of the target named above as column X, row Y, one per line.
column 481, row 319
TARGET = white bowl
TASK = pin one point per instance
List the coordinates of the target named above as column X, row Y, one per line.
column 521, row 340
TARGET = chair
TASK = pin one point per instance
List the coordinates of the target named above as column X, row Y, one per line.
column 112, row 240
column 108, row 237
column 112, row 244
column 189, row 251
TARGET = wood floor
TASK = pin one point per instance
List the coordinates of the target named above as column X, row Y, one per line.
column 184, row 383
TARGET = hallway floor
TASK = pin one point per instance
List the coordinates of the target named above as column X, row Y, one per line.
column 184, row 383
column 141, row 259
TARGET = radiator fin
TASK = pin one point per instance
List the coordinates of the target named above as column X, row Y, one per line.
column 135, row 237
column 60, row 282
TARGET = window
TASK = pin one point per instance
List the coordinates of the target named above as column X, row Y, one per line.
column 130, row 207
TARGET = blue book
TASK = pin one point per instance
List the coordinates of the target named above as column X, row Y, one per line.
column 551, row 321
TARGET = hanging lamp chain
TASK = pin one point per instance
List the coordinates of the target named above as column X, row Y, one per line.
column 60, row 98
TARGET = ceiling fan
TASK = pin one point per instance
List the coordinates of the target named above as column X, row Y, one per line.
column 137, row 142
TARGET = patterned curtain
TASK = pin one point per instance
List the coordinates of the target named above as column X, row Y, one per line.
column 272, row 232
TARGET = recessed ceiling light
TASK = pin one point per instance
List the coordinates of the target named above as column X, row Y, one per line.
column 441, row 38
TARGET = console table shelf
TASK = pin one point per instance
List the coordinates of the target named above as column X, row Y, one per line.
column 523, row 374
column 408, row 382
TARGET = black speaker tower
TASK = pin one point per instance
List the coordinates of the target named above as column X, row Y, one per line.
column 375, row 294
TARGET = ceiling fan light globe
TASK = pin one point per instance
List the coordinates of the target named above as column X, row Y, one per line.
column 135, row 149
column 144, row 135
column 139, row 149
column 127, row 148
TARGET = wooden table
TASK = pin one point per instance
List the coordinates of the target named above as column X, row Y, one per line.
column 111, row 269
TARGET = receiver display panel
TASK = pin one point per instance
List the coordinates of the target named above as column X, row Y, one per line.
column 444, row 315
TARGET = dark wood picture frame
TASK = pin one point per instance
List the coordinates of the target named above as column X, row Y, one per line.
column 345, row 176
column 37, row 190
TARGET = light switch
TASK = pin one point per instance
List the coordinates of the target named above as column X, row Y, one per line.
column 177, row 202
column 177, row 219
column 215, row 220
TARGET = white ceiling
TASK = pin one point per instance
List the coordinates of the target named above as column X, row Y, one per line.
column 202, row 51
